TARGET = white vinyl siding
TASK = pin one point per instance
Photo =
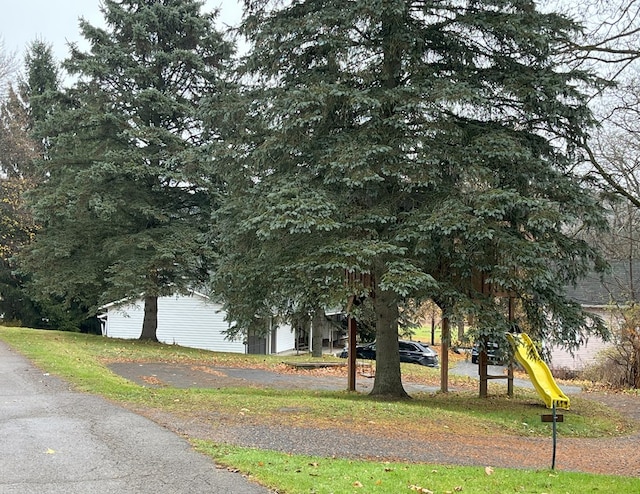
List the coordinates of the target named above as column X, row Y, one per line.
column 285, row 338
column 191, row 321
column 195, row 322
column 123, row 321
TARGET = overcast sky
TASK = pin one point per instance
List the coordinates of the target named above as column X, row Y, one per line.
column 56, row 21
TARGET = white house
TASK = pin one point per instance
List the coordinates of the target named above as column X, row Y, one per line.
column 192, row 321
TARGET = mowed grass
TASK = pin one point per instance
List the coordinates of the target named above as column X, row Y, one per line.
column 83, row 360
column 300, row 474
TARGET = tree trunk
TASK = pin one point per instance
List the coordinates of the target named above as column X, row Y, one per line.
column 150, row 322
column 318, row 325
column 388, row 380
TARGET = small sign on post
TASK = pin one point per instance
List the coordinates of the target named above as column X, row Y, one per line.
column 548, row 417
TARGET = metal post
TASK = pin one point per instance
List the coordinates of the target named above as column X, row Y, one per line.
column 553, row 460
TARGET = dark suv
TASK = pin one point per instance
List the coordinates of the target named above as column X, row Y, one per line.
column 412, row 352
column 494, row 356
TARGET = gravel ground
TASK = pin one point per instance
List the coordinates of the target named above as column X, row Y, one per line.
column 618, row 456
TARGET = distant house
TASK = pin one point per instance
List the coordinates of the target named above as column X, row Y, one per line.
column 605, row 296
column 191, row 321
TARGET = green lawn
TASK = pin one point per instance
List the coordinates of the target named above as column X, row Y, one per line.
column 299, row 474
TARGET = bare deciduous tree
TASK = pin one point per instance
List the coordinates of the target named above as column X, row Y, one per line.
column 610, row 46
column 8, row 67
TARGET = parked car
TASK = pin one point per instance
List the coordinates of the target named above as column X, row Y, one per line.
column 494, row 355
column 365, row 351
column 412, row 352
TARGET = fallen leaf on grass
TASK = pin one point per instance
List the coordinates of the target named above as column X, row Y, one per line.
column 357, row 484
column 154, row 381
column 422, row 490
column 488, row 470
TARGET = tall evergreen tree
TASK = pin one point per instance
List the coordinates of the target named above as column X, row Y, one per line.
column 125, row 204
column 41, row 86
column 425, row 143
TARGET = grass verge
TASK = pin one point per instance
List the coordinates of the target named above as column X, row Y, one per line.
column 300, row 474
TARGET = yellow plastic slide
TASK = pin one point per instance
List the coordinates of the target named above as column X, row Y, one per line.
column 527, row 354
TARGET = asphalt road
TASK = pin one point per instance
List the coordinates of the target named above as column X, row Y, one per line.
column 53, row 440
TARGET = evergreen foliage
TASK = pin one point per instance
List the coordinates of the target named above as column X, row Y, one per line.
column 427, row 143
column 125, row 204
column 42, row 81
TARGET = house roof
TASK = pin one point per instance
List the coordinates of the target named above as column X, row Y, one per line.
column 619, row 285
column 131, row 301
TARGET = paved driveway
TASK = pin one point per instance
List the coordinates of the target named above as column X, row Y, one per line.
column 187, row 376
column 57, row 441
